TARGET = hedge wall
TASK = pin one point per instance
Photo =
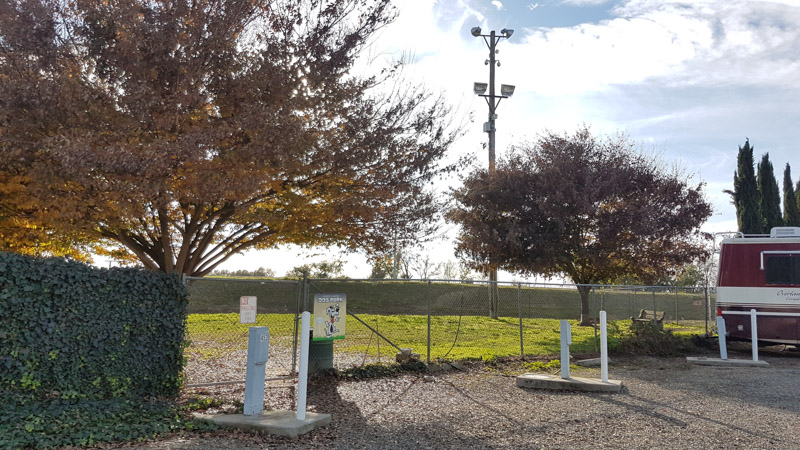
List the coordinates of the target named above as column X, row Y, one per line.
column 69, row 330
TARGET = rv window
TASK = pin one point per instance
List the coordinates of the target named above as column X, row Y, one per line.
column 783, row 269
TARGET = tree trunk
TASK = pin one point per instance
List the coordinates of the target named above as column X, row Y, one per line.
column 494, row 294
column 586, row 316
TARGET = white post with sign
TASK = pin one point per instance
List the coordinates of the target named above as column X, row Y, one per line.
column 302, row 376
column 566, row 340
column 754, row 333
column 248, row 309
column 723, row 347
column 603, row 347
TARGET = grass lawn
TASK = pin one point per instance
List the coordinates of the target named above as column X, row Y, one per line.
column 452, row 337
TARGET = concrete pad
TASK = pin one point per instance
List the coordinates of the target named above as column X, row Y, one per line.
column 591, row 362
column 703, row 361
column 281, row 423
column 556, row 383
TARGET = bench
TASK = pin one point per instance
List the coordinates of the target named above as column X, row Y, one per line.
column 648, row 318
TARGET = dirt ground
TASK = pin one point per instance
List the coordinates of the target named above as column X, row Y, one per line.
column 665, row 402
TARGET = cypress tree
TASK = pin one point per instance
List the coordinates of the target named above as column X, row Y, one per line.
column 791, row 212
column 745, row 193
column 770, row 195
column 797, row 194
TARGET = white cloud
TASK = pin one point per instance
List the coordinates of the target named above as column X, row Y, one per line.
column 734, row 42
column 497, row 4
column 584, row 2
column 532, row 6
column 589, row 57
column 700, row 43
column 430, row 33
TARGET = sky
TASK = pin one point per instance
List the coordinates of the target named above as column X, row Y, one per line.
column 689, row 80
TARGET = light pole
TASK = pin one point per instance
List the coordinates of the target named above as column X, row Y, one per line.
column 493, row 100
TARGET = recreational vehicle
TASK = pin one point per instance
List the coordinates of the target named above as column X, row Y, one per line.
column 763, row 273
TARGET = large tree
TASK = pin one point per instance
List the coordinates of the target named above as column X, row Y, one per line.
column 20, row 234
column 797, row 194
column 791, row 212
column 745, row 195
column 770, row 195
column 182, row 132
column 589, row 209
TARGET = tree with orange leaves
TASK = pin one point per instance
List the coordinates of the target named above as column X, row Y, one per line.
column 183, row 132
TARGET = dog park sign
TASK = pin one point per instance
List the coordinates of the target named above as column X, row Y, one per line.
column 329, row 316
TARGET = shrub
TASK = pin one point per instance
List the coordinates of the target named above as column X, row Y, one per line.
column 651, row 340
column 56, row 423
column 74, row 331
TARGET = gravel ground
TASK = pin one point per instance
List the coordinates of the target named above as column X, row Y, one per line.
column 665, row 403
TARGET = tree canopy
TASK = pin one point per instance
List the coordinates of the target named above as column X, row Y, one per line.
column 745, row 195
column 791, row 212
column 797, row 194
column 181, row 132
column 769, row 194
column 582, row 207
column 322, row 269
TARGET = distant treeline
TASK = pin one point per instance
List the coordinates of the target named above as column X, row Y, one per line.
column 261, row 272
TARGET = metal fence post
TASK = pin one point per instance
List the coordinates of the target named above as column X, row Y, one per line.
column 299, row 287
column 676, row 306
column 707, row 308
column 378, row 341
column 594, row 315
column 655, row 318
column 602, row 301
column 305, row 291
column 519, row 309
column 429, row 322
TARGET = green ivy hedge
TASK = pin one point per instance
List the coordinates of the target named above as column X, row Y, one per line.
column 71, row 331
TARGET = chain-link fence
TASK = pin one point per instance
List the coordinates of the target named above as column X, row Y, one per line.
column 437, row 319
column 672, row 304
column 217, row 349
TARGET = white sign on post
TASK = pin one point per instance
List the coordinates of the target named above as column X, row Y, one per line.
column 247, row 309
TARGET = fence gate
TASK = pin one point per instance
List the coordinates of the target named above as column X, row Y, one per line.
column 217, row 349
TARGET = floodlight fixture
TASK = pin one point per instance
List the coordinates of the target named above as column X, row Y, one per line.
column 507, row 90
column 476, row 31
column 507, row 32
column 480, row 88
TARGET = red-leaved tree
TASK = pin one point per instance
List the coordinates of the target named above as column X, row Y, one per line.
column 592, row 210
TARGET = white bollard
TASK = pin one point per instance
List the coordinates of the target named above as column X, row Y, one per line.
column 302, row 376
column 566, row 340
column 754, row 333
column 603, row 348
column 723, row 347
